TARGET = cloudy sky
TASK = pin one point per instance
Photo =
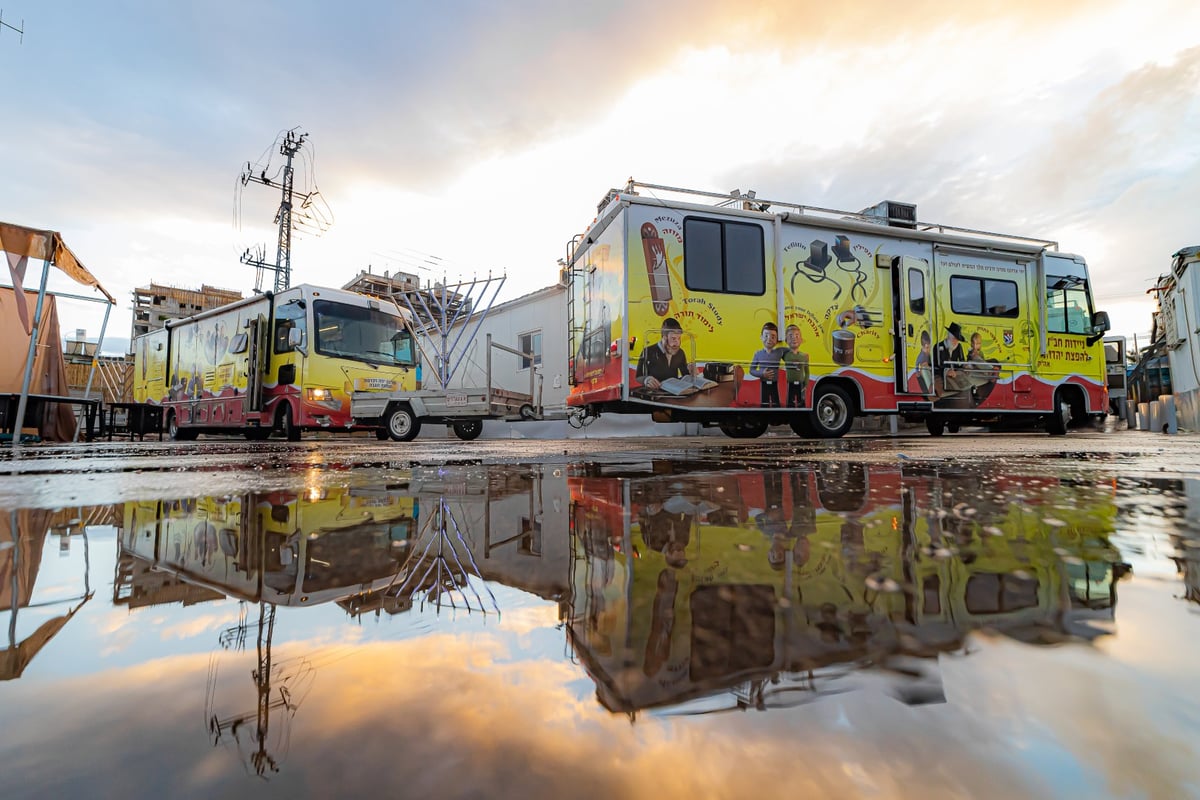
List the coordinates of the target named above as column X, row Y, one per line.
column 480, row 136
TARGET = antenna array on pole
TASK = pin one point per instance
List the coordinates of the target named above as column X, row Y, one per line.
column 20, row 31
column 298, row 211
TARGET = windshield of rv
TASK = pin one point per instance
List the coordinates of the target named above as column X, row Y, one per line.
column 1068, row 300
column 363, row 334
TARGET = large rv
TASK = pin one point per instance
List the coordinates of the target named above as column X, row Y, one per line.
column 285, row 362
column 733, row 311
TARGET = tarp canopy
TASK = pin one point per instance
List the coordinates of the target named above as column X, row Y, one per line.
column 49, row 373
column 20, row 243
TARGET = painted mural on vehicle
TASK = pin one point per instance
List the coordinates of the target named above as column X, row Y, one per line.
column 774, row 314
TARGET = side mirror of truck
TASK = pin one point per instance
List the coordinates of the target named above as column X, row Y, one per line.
column 1100, row 325
column 296, row 340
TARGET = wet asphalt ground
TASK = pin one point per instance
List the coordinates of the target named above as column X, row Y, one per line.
column 51, row 476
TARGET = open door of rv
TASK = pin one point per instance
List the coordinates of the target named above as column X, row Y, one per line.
column 914, row 333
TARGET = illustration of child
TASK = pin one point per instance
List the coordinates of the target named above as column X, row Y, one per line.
column 795, row 367
column 765, row 365
column 924, row 365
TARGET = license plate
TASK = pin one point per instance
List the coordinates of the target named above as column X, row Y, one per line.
column 456, row 398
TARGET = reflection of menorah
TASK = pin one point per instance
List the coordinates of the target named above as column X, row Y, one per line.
column 444, row 570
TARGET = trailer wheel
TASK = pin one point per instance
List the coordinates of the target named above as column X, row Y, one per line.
column 257, row 434
column 935, row 425
column 1060, row 418
column 832, row 413
column 402, row 426
column 468, row 429
column 286, row 425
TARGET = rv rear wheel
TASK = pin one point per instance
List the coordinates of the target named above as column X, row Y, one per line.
column 468, row 429
column 801, row 425
column 402, row 425
column 743, row 428
column 178, row 433
column 832, row 413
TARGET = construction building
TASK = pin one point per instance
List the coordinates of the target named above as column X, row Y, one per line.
column 432, row 301
column 112, row 381
column 156, row 305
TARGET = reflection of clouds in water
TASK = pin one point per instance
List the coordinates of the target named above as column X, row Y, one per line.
column 440, row 717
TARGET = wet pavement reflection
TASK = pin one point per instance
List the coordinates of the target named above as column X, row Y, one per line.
column 916, row 628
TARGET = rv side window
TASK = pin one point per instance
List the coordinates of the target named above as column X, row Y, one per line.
column 916, row 291
column 984, row 298
column 723, row 257
column 288, row 317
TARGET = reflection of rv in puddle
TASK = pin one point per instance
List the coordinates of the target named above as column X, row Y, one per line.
column 283, row 548
column 434, row 541
column 772, row 587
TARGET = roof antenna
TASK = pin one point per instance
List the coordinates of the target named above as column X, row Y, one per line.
column 20, row 30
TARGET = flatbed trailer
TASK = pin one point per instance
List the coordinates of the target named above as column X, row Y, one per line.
column 399, row 415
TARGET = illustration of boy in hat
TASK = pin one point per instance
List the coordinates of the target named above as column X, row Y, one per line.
column 946, row 356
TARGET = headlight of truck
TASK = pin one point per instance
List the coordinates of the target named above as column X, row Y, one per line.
column 319, row 394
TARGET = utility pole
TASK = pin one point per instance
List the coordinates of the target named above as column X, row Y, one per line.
column 292, row 142
column 20, row 31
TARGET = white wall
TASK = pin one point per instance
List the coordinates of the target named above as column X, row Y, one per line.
column 544, row 310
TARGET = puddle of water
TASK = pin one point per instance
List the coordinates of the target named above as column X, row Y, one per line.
column 471, row 630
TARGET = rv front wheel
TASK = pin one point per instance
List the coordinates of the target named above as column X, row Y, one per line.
column 1060, row 417
column 287, row 426
column 832, row 413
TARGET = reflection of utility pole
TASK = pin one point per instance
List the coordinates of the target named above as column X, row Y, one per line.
column 292, row 142
column 262, row 761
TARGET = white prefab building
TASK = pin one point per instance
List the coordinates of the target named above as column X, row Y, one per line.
column 535, row 323
column 1179, row 304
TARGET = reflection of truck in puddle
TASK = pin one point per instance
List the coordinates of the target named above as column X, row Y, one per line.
column 352, row 544
column 283, row 548
column 724, row 581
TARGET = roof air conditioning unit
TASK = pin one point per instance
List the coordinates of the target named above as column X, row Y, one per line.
column 893, row 214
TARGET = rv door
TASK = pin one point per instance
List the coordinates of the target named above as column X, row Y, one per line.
column 253, row 401
column 914, row 335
